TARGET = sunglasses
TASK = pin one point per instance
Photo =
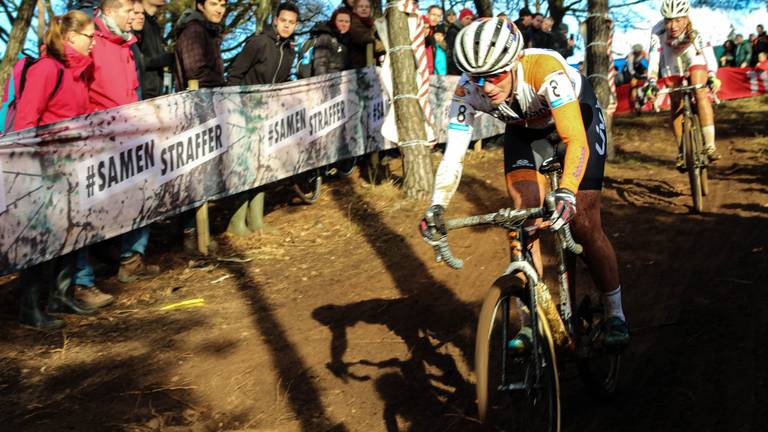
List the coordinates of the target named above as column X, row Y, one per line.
column 494, row 79
column 89, row 36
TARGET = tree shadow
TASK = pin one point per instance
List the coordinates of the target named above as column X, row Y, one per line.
column 294, row 374
column 443, row 320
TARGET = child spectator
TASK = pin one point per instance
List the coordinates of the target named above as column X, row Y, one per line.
column 267, row 58
column 441, row 59
column 762, row 62
column 68, row 43
column 198, row 45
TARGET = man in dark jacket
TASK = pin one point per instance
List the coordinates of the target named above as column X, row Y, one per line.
column 523, row 23
column 198, row 45
column 466, row 17
column 267, row 58
column 156, row 56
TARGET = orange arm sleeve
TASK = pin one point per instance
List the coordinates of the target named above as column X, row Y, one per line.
column 570, row 127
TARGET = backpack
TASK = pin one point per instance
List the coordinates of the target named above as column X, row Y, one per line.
column 306, row 57
column 13, row 89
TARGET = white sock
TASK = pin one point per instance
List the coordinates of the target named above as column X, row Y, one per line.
column 709, row 136
column 612, row 304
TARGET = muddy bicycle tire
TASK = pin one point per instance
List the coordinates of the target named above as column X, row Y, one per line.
column 514, row 410
column 692, row 149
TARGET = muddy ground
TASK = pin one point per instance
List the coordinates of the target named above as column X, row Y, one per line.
column 340, row 320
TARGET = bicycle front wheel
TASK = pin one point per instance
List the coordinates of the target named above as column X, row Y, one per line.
column 702, row 157
column 692, row 148
column 515, row 391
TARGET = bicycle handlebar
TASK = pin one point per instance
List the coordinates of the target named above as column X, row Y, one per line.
column 505, row 218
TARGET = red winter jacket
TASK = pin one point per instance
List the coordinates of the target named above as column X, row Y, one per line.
column 39, row 105
column 114, row 70
column 429, row 45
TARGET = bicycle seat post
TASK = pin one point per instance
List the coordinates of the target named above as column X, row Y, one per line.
column 551, row 168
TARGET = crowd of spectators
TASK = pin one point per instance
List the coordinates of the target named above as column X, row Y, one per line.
column 740, row 52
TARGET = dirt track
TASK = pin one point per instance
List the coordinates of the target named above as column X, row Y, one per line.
column 342, row 321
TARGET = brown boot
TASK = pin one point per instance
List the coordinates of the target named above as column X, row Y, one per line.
column 93, row 297
column 133, row 268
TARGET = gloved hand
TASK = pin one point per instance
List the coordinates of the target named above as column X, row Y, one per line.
column 564, row 204
column 650, row 90
column 713, row 83
column 432, row 226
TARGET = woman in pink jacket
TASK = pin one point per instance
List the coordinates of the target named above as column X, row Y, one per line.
column 68, row 44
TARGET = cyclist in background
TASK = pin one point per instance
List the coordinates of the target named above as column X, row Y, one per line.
column 674, row 41
column 550, row 110
column 636, row 70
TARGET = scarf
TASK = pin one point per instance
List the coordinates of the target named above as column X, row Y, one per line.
column 113, row 27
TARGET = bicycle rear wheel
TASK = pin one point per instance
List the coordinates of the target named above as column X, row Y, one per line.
column 308, row 185
column 692, row 150
column 512, row 392
column 598, row 365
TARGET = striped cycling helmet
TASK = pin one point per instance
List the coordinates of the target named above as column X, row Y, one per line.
column 675, row 8
column 488, row 46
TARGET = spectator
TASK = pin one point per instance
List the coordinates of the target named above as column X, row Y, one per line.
column 762, row 62
column 729, row 52
column 156, row 56
column 760, row 44
column 433, row 17
column 441, row 59
column 268, row 57
column 450, row 19
column 502, row 15
column 198, row 45
column 137, row 24
column 743, row 53
column 559, row 42
column 114, row 78
column 523, row 23
column 56, row 89
column 361, row 36
column 466, row 17
column 330, row 40
column 537, row 37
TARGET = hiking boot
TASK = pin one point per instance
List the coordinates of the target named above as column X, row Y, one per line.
column 31, row 292
column 615, row 332
column 133, row 269
column 92, row 297
column 712, row 153
column 521, row 343
column 680, row 163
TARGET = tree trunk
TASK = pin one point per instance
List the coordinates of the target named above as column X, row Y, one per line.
column 417, row 159
column 16, row 39
column 484, row 8
column 376, row 7
column 598, row 61
column 556, row 11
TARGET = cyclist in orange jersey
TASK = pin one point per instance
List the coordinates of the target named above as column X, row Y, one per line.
column 550, row 111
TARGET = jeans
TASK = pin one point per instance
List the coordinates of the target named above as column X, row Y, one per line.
column 134, row 242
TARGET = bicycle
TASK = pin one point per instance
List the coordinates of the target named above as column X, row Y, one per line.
column 308, row 185
column 695, row 157
column 529, row 379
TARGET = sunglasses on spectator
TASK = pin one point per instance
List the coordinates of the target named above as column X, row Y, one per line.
column 494, row 79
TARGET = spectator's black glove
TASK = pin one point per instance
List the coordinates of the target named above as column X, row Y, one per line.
column 432, row 226
column 563, row 202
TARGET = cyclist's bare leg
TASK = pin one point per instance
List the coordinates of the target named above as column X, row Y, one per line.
column 598, row 254
column 527, row 190
column 706, row 115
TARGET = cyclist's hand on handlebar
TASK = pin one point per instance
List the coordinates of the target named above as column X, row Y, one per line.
column 432, row 226
column 713, row 83
column 563, row 203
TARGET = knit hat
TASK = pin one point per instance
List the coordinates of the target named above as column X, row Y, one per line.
column 465, row 13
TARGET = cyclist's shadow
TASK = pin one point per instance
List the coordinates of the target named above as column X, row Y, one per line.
column 417, row 389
